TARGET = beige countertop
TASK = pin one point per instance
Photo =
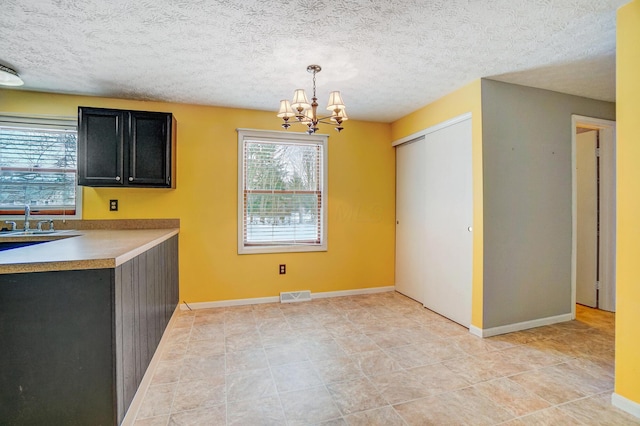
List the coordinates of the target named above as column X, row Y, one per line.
column 86, row 249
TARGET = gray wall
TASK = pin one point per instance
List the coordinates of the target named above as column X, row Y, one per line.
column 526, row 136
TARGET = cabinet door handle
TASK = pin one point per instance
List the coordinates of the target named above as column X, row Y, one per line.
column 130, row 179
column 118, row 178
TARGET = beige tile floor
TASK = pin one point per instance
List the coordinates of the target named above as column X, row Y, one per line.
column 378, row 359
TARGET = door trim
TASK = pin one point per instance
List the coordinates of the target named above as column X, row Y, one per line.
column 607, row 207
column 414, row 137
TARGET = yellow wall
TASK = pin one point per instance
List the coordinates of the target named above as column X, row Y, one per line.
column 464, row 100
column 628, row 203
column 361, row 234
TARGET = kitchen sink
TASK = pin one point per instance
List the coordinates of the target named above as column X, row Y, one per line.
column 33, row 232
column 16, row 239
column 8, row 245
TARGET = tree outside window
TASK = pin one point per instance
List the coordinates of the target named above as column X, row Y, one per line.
column 282, row 194
column 37, row 167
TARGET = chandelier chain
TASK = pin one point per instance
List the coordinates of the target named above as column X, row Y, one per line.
column 314, row 83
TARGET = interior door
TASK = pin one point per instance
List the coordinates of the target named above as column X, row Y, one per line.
column 607, row 219
column 410, row 207
column 434, row 214
column 448, row 217
column 587, row 220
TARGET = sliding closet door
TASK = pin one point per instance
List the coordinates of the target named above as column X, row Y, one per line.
column 434, row 214
column 410, row 207
column 448, row 217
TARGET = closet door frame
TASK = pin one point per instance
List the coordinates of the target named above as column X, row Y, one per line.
column 463, row 315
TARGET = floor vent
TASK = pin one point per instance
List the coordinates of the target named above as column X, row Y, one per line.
column 295, row 296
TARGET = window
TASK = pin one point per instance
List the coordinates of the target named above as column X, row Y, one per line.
column 38, row 166
column 282, row 200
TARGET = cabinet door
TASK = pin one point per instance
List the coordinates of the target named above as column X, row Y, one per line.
column 100, row 147
column 150, row 149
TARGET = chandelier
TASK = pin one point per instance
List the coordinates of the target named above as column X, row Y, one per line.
column 306, row 113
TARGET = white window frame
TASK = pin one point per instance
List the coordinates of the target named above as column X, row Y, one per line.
column 292, row 137
column 44, row 121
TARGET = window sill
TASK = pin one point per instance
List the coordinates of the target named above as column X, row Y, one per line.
column 280, row 249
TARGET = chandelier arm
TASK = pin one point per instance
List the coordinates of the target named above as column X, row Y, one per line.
column 328, row 117
column 321, row 120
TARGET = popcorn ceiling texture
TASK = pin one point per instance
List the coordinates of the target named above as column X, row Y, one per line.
column 388, row 57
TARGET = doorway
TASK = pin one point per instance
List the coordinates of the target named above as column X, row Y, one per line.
column 593, row 182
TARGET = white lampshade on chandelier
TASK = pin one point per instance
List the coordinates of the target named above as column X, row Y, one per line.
column 307, row 113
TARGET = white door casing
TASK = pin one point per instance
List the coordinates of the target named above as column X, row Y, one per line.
column 607, row 132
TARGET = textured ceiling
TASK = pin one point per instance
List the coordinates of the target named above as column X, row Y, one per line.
column 387, row 57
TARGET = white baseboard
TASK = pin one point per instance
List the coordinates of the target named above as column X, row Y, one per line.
column 276, row 299
column 476, row 331
column 625, row 404
column 525, row 325
column 232, row 302
column 136, row 402
column 356, row 292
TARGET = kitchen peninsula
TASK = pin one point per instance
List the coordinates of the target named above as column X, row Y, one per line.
column 81, row 317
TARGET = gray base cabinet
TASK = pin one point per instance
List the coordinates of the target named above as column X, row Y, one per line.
column 146, row 295
column 74, row 345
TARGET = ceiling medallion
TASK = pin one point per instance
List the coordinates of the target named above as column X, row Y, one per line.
column 306, row 113
column 9, row 77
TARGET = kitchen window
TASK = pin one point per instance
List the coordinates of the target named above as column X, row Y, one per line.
column 282, row 198
column 38, row 162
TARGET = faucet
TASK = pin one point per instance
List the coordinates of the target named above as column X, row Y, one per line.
column 27, row 210
column 49, row 221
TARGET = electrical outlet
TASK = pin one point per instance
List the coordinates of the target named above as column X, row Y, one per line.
column 283, row 269
column 113, row 205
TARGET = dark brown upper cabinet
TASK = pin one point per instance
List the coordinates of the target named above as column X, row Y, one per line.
column 126, row 148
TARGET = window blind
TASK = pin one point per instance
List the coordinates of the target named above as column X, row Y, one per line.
column 282, row 193
column 38, row 164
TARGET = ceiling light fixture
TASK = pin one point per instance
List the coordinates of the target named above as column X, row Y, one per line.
column 9, row 77
column 306, row 113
